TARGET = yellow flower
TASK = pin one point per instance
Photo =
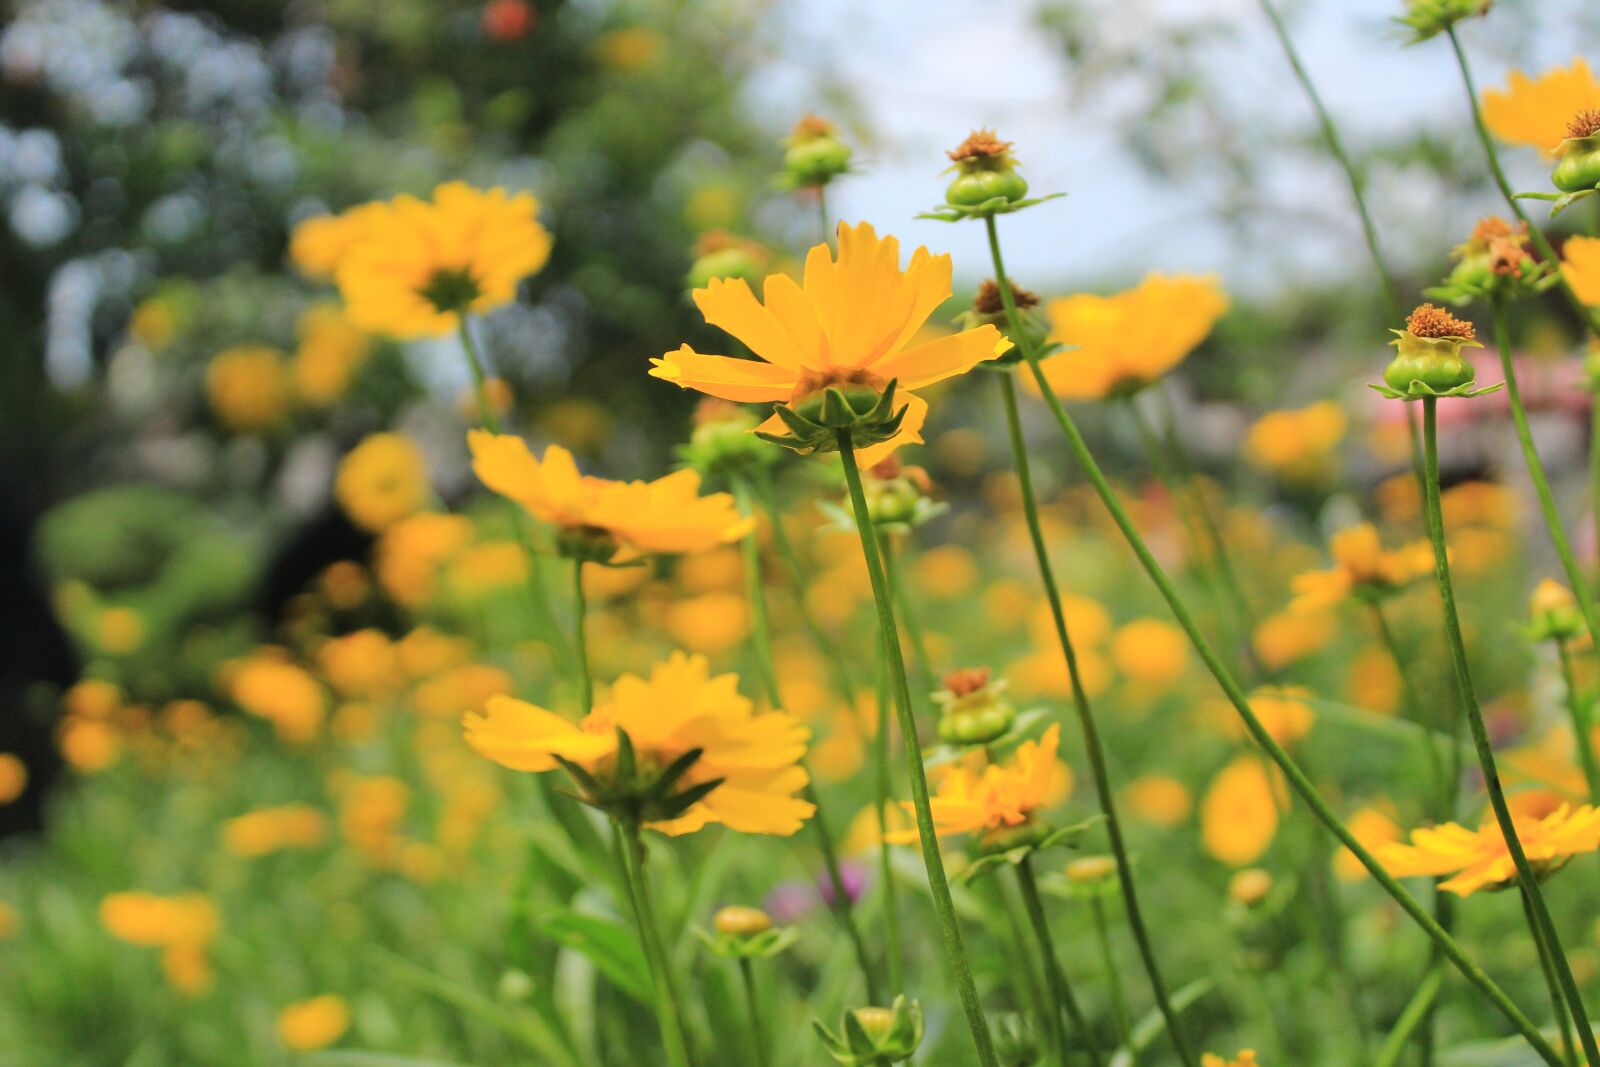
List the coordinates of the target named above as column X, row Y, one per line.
column 1003, row 797
column 664, row 516
column 1150, row 651
column 1361, row 568
column 1580, row 263
column 1158, row 799
column 267, row 830
column 428, row 262
column 410, row 552
column 1374, row 827
column 1479, row 859
column 854, row 320
column 1245, row 1058
column 371, row 810
column 1535, row 111
column 382, row 480
column 363, row 664
column 313, row 1024
column 630, row 50
column 183, row 926
column 1121, row 343
column 283, row 694
column 13, row 777
column 154, row 323
column 680, row 707
column 318, row 245
column 331, row 350
column 1239, row 813
column 248, row 387
column 1283, row 638
column 1296, row 443
column 1283, row 711
column 711, row 623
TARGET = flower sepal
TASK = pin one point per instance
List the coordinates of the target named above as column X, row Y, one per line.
column 815, row 420
column 1429, row 18
column 722, row 442
column 1428, row 361
column 1024, row 725
column 994, row 205
column 1012, row 844
column 1419, row 390
column 637, row 792
column 746, row 933
column 588, row 544
column 871, row 1036
column 1559, row 202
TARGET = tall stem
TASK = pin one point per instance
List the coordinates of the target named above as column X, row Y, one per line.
column 758, row 1036
column 1297, row 778
column 761, row 644
column 630, row 845
column 1542, row 925
column 908, row 616
column 1119, row 1000
column 1540, row 242
column 1417, row 1011
column 1594, row 459
column 1060, row 988
column 1541, row 484
column 1582, row 723
column 580, row 641
column 1087, row 727
column 955, row 951
column 1443, row 786
column 1547, row 967
column 822, row 214
column 883, row 794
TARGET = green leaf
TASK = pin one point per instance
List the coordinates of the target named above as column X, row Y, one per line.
column 610, row 946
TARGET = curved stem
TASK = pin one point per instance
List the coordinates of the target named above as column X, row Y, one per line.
column 1417, row 1010
column 1119, row 1000
column 1443, row 786
column 882, row 797
column 1582, row 724
column 1087, row 726
column 908, row 616
column 1594, row 458
column 955, row 951
column 580, row 641
column 1547, row 967
column 631, row 847
column 1541, row 484
column 761, row 644
column 1297, row 778
column 1060, row 988
column 1536, row 235
column 1542, row 925
column 758, row 1036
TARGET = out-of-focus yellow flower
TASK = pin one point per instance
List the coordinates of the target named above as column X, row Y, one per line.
column 1296, row 443
column 1043, row 672
column 154, row 323
column 363, row 664
column 1580, row 263
column 667, row 515
column 427, row 262
column 718, row 570
column 1283, row 638
column 331, row 350
column 182, row 926
column 630, row 50
column 13, row 777
column 1480, row 504
column 8, row 921
column 1283, row 711
column 1245, row 1058
column 1006, row 603
column 383, row 479
column 319, row 244
column 248, row 387
column 1239, row 813
column 678, row 708
column 90, row 745
column 1375, row 682
column 946, row 572
column 853, row 321
column 1374, row 827
column 864, row 835
column 1121, row 343
column 371, row 810
column 1088, row 622
column 1158, row 799
column 92, row 698
column 1152, row 652
column 285, row 695
column 268, row 830
column 712, row 623
column 312, row 1024
column 468, row 686
column 410, row 552
column 1250, row 886
column 425, row 651
column 119, row 630
column 1002, row 798
column 345, row 584
column 1361, row 568
column 1479, row 859
column 1536, row 111
column 483, row 568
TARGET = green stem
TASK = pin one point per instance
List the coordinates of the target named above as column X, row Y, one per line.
column 1330, row 134
column 761, row 644
column 1541, row 484
column 822, row 214
column 908, row 617
column 1443, row 787
column 580, row 641
column 882, row 797
column 631, row 847
column 1099, row 773
column 1417, row 1010
column 757, row 1031
column 1119, row 999
column 955, row 951
column 1060, row 988
column 1297, row 779
column 1540, row 242
column 1480, row 739
column 1582, row 726
column 1547, row 967
column 1594, row 458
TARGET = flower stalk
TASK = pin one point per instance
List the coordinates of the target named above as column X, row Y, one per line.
column 1060, row 989
column 1547, row 967
column 631, row 851
column 1582, row 722
column 944, row 908
column 1119, row 999
column 580, row 640
column 758, row 1033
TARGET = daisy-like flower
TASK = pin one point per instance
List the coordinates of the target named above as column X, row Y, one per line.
column 1536, row 111
column 1362, row 568
column 1245, row 1058
column 413, row 268
column 1121, row 343
column 319, row 244
column 850, row 324
column 1479, row 859
column 182, row 926
column 600, row 519
column 678, row 750
column 998, row 803
column 1580, row 263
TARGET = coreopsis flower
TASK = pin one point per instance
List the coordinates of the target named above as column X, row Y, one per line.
column 312, row 1024
column 1578, row 158
column 813, row 154
column 985, row 170
column 268, row 830
column 1580, row 264
column 1002, row 803
column 1428, row 361
column 382, row 480
column 1245, row 1058
column 1152, row 652
column 1494, row 261
column 973, row 709
column 1361, row 569
column 1296, row 443
column 1479, row 859
column 602, row 520
column 1250, row 886
column 1553, row 613
column 1121, row 343
column 410, row 553
column 248, row 387
column 331, row 351
column 869, row 1037
column 1239, row 813
column 1536, row 111
column 13, row 777
column 1429, row 18
column 319, row 244
column 1158, row 799
column 847, row 331
column 182, row 926
column 416, row 268
column 678, row 750
column 266, row 684
column 1374, row 827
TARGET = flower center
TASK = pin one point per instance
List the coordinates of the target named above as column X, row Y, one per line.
column 1431, row 321
column 451, row 290
column 1585, row 123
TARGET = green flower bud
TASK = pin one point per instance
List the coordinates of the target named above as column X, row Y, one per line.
column 1429, row 18
column 1578, row 161
column 722, row 440
column 972, row 711
column 988, row 309
column 1553, row 613
column 871, row 1036
column 1428, row 359
column 858, row 404
column 985, row 171
column 814, row 155
column 1029, row 834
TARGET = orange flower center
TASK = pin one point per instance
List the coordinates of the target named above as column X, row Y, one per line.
column 1585, row 123
column 1431, row 321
